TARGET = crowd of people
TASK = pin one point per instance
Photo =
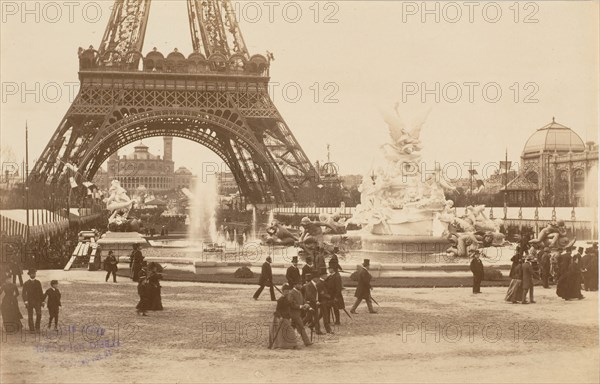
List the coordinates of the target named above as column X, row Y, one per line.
column 567, row 269
column 313, row 296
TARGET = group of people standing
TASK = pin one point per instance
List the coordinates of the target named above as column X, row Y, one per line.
column 311, row 298
column 567, row 269
column 34, row 299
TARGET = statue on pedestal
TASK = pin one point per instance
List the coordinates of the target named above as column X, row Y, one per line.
column 120, row 205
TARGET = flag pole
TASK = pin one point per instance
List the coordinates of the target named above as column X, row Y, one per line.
column 505, row 180
column 27, row 180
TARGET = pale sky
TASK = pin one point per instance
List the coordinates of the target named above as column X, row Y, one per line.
column 369, row 55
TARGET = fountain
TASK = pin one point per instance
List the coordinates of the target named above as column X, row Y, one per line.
column 202, row 216
column 400, row 205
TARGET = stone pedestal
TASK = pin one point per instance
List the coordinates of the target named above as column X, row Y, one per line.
column 121, row 243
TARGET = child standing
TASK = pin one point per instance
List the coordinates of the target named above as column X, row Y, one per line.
column 53, row 295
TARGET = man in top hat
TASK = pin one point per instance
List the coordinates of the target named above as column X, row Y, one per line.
column 307, row 270
column 293, row 273
column 33, row 296
column 334, row 282
column 476, row 269
column 527, row 280
column 363, row 289
column 265, row 279
column 325, row 300
column 311, row 297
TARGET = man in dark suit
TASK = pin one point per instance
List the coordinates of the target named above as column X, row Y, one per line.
column 363, row 289
column 527, row 281
column 265, row 279
column 307, row 270
column 311, row 297
column 477, row 270
column 334, row 282
column 325, row 300
column 296, row 305
column 293, row 274
column 33, row 296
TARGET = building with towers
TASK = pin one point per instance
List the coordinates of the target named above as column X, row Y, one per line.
column 143, row 168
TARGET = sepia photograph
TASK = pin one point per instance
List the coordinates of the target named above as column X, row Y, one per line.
column 346, row 191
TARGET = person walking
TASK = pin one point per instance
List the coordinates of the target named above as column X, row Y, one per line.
column 265, row 279
column 53, row 295
column 527, row 281
column 477, row 270
column 335, row 287
column 33, row 297
column 136, row 260
column 363, row 289
column 110, row 265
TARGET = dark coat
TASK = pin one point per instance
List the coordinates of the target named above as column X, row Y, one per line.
column 53, row 296
column 33, row 293
column 335, row 288
column 110, row 264
column 564, row 261
column 283, row 307
column 527, row 275
column 545, row 264
column 363, row 289
column 323, row 292
column 292, row 275
column 266, row 275
column 311, row 294
column 307, row 273
column 477, row 267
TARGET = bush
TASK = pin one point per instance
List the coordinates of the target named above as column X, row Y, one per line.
column 243, row 273
column 491, row 274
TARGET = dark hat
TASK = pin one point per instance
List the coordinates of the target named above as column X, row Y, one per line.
column 295, row 259
column 366, row 262
column 322, row 271
column 269, row 258
column 31, row 271
column 580, row 249
column 53, row 282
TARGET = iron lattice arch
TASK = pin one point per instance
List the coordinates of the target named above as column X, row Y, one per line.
column 232, row 116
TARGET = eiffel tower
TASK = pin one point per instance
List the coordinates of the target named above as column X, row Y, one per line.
column 217, row 96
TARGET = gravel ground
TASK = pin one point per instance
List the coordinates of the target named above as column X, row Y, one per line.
column 217, row 333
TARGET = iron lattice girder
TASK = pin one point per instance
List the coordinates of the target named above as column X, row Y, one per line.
column 213, row 27
column 114, row 109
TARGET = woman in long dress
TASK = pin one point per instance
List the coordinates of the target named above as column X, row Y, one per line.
column 11, row 315
column 569, row 284
column 515, row 289
column 281, row 333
